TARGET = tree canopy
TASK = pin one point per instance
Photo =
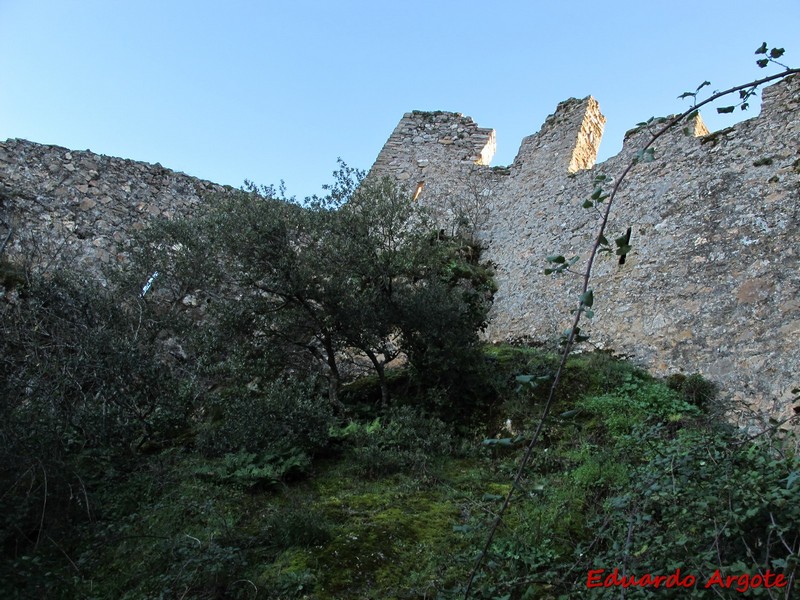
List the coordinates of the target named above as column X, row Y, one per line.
column 361, row 270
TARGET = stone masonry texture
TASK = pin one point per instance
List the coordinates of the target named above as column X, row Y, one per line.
column 711, row 284
column 81, row 205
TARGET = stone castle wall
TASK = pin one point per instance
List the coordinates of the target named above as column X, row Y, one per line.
column 712, row 283
column 77, row 205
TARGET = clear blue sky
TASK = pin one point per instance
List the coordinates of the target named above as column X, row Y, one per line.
column 270, row 90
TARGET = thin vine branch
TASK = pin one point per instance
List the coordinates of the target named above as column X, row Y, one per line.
column 8, row 237
column 584, row 303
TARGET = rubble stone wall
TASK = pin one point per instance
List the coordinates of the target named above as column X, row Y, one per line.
column 712, row 284
column 61, row 203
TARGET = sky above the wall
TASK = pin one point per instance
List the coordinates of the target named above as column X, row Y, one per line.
column 271, row 91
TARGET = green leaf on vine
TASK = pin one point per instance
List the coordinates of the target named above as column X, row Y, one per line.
column 558, row 259
column 498, row 442
column 577, row 338
column 762, row 49
column 776, row 52
column 702, row 85
column 645, row 155
column 726, row 109
column 588, row 204
column 587, row 298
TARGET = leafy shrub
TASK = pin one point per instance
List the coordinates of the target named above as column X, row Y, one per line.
column 701, row 503
column 79, row 367
column 80, row 376
column 645, row 482
column 694, row 388
column 404, row 439
column 283, row 417
column 600, row 393
column 164, row 563
column 599, row 372
column 255, row 471
column 638, row 400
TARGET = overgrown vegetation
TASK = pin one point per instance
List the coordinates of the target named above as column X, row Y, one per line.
column 200, row 437
column 274, row 496
column 215, row 357
column 121, row 479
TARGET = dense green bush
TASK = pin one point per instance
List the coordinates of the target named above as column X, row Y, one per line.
column 694, row 388
column 279, row 417
column 402, row 440
column 359, row 269
column 178, row 537
column 79, row 377
column 80, row 369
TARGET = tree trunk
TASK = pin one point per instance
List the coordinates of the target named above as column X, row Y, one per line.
column 381, row 376
column 334, row 378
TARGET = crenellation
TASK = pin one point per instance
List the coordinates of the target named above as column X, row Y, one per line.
column 567, row 141
column 450, row 141
column 590, row 134
column 712, row 279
